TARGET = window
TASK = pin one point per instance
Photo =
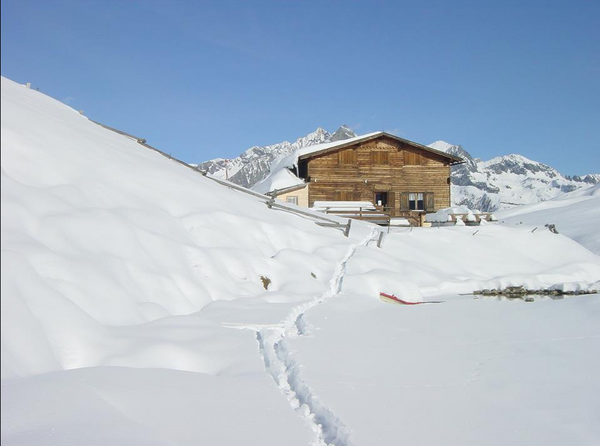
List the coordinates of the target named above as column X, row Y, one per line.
column 381, row 199
column 292, row 199
column 415, row 201
column 347, row 156
column 412, row 158
column 380, row 158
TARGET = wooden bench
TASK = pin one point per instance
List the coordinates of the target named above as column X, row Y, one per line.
column 360, row 210
column 373, row 216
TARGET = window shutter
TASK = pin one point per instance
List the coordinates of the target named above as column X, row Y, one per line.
column 412, row 158
column 391, row 200
column 347, row 156
column 380, row 157
column 429, row 202
column 345, row 195
column 404, row 201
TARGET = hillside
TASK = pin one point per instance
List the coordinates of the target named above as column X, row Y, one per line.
column 576, row 214
column 143, row 303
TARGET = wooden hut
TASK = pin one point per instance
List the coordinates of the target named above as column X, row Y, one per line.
column 402, row 177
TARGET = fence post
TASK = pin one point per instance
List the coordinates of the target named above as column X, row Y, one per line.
column 347, row 230
column 380, row 239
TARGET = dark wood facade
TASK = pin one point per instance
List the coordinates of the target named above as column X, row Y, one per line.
column 402, row 175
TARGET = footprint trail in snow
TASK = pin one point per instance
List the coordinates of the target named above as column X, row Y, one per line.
column 282, row 366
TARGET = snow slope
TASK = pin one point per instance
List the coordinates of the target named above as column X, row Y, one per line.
column 112, row 234
column 576, row 214
column 133, row 309
column 102, row 241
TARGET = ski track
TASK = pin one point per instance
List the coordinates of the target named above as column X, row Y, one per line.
column 281, row 365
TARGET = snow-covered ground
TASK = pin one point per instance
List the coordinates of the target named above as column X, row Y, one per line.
column 134, row 312
column 576, row 214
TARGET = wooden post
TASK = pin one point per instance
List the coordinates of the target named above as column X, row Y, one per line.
column 380, row 239
column 347, row 230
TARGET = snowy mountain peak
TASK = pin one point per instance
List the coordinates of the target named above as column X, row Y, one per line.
column 513, row 157
column 442, row 146
column 508, row 181
column 344, row 132
column 519, row 165
column 254, row 164
column 456, row 150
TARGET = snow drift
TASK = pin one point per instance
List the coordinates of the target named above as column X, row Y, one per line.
column 576, row 214
column 99, row 231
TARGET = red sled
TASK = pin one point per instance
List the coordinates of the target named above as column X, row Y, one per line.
column 390, row 298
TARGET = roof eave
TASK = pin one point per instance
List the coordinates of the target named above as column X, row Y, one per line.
column 285, row 190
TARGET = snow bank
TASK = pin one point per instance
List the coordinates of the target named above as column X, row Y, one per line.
column 576, row 214
column 98, row 231
column 431, row 262
column 444, row 215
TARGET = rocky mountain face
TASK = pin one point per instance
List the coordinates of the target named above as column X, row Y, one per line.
column 253, row 165
column 506, row 181
column 500, row 183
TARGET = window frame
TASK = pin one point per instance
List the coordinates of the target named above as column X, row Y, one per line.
column 428, row 201
column 414, row 199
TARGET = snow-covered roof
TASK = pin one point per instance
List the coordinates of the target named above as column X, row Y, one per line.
column 281, row 179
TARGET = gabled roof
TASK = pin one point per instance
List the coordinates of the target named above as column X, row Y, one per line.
column 319, row 149
column 281, row 178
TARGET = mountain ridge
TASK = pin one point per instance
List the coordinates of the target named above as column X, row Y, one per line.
column 499, row 183
column 253, row 165
column 507, row 181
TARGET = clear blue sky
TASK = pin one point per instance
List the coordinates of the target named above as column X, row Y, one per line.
column 210, row 79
